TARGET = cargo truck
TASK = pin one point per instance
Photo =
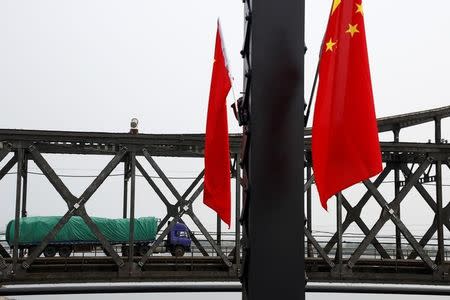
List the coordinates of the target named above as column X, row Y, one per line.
column 76, row 236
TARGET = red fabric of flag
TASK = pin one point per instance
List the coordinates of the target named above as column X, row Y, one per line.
column 217, row 194
column 345, row 145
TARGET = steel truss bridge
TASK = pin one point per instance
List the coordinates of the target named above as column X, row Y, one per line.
column 412, row 164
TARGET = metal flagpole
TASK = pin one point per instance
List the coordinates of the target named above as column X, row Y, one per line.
column 316, row 77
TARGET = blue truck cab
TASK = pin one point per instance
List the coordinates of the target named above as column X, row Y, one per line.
column 178, row 240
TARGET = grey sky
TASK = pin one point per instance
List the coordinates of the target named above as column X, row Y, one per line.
column 407, row 45
column 91, row 65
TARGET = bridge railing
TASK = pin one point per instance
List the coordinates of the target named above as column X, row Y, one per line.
column 227, row 245
column 371, row 252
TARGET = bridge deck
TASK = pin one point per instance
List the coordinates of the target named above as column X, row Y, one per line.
column 103, row 269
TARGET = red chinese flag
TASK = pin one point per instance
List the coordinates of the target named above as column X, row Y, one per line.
column 345, row 145
column 217, row 194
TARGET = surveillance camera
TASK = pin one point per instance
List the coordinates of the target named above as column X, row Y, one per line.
column 134, row 123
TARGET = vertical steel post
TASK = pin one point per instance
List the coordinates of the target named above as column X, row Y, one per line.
column 125, row 185
column 132, row 206
column 339, row 231
column 237, row 251
column 440, row 253
column 17, row 208
column 398, row 237
column 437, row 130
column 309, row 212
column 24, row 189
column 439, row 211
column 25, row 185
column 275, row 197
column 219, row 231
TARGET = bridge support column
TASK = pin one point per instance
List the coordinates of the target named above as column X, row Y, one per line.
column 126, row 178
column 25, row 185
column 309, row 211
column 219, row 231
column 24, row 189
column 398, row 236
column 237, row 247
column 439, row 211
column 20, row 155
column 3, row 171
column 338, row 258
column 132, row 209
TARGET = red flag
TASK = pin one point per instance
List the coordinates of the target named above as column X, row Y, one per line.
column 345, row 145
column 217, row 194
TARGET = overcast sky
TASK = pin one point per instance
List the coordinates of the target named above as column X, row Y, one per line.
column 92, row 65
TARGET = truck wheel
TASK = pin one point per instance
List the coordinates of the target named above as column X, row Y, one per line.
column 65, row 251
column 178, row 251
column 50, row 251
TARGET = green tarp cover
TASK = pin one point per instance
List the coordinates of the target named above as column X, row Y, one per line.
column 34, row 229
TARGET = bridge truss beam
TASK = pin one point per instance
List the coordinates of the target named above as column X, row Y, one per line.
column 416, row 164
column 124, row 149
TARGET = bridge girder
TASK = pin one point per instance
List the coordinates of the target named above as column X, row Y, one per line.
column 413, row 162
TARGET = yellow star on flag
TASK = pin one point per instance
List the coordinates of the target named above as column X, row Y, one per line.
column 330, row 44
column 352, row 29
column 359, row 9
column 335, row 5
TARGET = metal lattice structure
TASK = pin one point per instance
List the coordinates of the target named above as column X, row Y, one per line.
column 412, row 164
column 124, row 148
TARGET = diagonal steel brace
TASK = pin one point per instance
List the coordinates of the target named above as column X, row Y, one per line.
column 387, row 212
column 4, row 152
column 400, row 225
column 8, row 166
column 181, row 201
column 175, row 219
column 319, row 249
column 76, row 205
column 354, row 215
column 172, row 209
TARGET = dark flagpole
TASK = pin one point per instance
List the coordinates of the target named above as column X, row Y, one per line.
column 313, row 89
column 316, row 77
column 273, row 210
